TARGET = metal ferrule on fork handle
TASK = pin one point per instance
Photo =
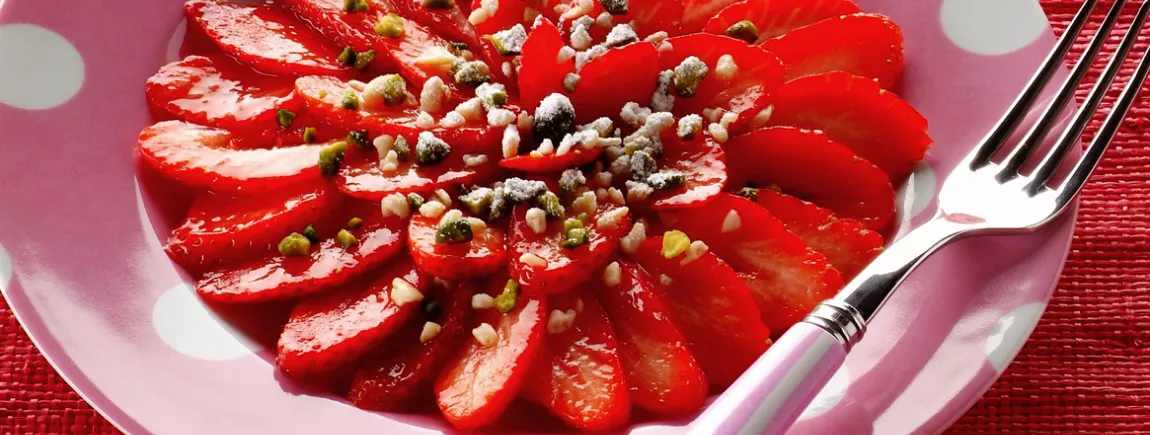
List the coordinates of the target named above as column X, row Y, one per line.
column 840, row 320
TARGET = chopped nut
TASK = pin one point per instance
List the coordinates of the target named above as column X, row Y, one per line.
column 744, row 30
column 732, row 222
column 295, row 245
column 507, row 300
column 510, row 142
column 482, row 301
column 694, row 251
column 395, row 205
column 611, row 220
column 560, row 321
column 537, row 220
column 726, row 67
column 430, row 330
column 630, row 243
column 675, row 243
column 485, row 335
column 612, row 274
column 432, row 209
column 432, row 95
column 533, row 260
column 403, row 293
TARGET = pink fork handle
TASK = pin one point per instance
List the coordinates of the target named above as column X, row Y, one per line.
column 770, row 395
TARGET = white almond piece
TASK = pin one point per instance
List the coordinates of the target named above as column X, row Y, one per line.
column 473, row 160
column 477, row 225
column 604, row 178
column 718, row 132
column 585, row 203
column 616, row 196
column 436, row 59
column 532, row 260
column 452, row 120
column 390, row 162
column 432, row 95
column 430, row 330
column 403, row 293
column 762, row 117
column 612, row 274
column 432, row 209
column 472, row 110
column 395, row 205
column 383, row 144
column 482, row 301
column 500, row 117
column 611, row 220
column 732, row 222
column 546, row 148
column 726, row 68
column 424, row 121
column 537, row 220
column 485, row 335
column 694, row 251
column 442, row 196
column 451, row 215
column 665, row 280
column 630, row 243
column 510, row 142
column 560, row 321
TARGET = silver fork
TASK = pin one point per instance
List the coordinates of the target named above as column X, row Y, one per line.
column 984, row 195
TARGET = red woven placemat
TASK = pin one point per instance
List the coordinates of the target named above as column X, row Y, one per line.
column 1085, row 370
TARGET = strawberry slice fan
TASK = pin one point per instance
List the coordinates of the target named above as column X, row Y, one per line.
column 589, row 206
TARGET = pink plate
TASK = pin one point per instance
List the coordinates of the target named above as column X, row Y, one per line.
column 81, row 264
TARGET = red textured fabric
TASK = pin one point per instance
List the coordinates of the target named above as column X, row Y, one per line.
column 1085, row 370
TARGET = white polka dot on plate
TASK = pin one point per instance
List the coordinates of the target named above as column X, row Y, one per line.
column 40, row 69
column 5, row 269
column 918, row 191
column 1010, row 332
column 993, row 27
column 830, row 395
column 188, row 326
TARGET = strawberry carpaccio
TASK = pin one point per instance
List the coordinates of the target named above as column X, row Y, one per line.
column 592, row 206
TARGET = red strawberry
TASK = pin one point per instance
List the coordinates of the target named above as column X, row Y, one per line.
column 541, row 72
column 328, row 331
column 507, row 15
column 696, row 13
column 478, row 385
column 845, row 242
column 551, row 162
column 221, row 228
column 362, row 177
column 566, row 267
column 786, row 277
column 266, row 38
column 722, row 325
column 784, row 156
column 776, row 17
column 645, row 16
column 748, row 91
column 218, row 92
column 602, row 90
column 856, row 112
column 329, row 265
column 866, row 45
column 450, row 22
column 703, row 162
column 279, row 137
column 199, row 157
column 483, row 255
column 661, row 371
column 577, row 375
column 405, row 368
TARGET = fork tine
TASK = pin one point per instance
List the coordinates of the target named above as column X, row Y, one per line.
column 1110, row 127
column 1022, row 104
column 1019, row 155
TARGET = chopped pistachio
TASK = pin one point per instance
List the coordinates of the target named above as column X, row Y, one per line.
column 492, row 95
column 355, row 223
column 517, row 190
column 667, row 180
column 346, row 239
column 507, row 300
column 458, row 48
column 438, row 4
column 432, row 310
column 571, row 81
column 478, row 201
column 295, row 245
column 620, row 35
column 309, row 232
column 401, row 148
column 346, row 57
column 472, row 73
column 509, row 42
column 750, row 193
column 642, row 165
column 430, row 150
column 390, row 25
column 615, row 7
column 309, row 135
column 550, row 204
column 454, row 231
column 576, row 237
column 675, row 243
column 583, row 217
column 572, row 223
column 322, row 93
column 285, row 117
column 353, row 6
column 362, row 60
column 554, row 118
column 360, row 139
column 688, row 75
column 394, row 90
column 415, row 200
column 744, row 30
column 330, row 158
column 571, row 180
column 350, row 100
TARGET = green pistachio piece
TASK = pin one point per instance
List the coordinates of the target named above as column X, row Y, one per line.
column 355, row 223
column 415, row 201
column 478, row 201
column 309, row 232
column 749, row 193
column 350, row 100
column 394, row 90
column 362, row 60
column 430, row 150
column 390, row 25
column 346, row 239
column 616, row 7
column 507, row 300
column 360, row 139
column 472, row 73
column 551, row 205
column 454, row 231
column 667, row 180
column 294, row 245
column 675, row 243
column 353, row 6
column 688, row 75
column 576, row 237
column 309, row 135
column 330, row 159
column 346, row 57
column 401, row 148
column 744, row 30
column 285, row 117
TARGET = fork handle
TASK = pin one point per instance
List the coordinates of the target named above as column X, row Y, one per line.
column 772, row 393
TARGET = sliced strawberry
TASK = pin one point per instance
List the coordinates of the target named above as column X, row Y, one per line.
column 449, row 22
column 279, row 277
column 786, row 278
column 266, row 38
column 866, row 45
column 218, row 92
column 565, row 267
column 577, row 375
column 785, row 156
column 507, row 15
column 323, row 97
column 845, row 242
column 776, row 17
column 478, row 385
column 362, row 177
column 663, row 375
column 703, row 162
column 222, row 228
column 331, row 330
column 696, row 14
column 722, row 325
column 856, row 112
column 541, row 72
column 645, row 16
column 279, row 137
column 551, row 162
column 405, row 368
column 199, row 157
column 749, row 90
column 483, row 255
column 603, row 88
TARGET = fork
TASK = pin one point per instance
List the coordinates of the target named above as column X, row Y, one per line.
column 984, row 195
